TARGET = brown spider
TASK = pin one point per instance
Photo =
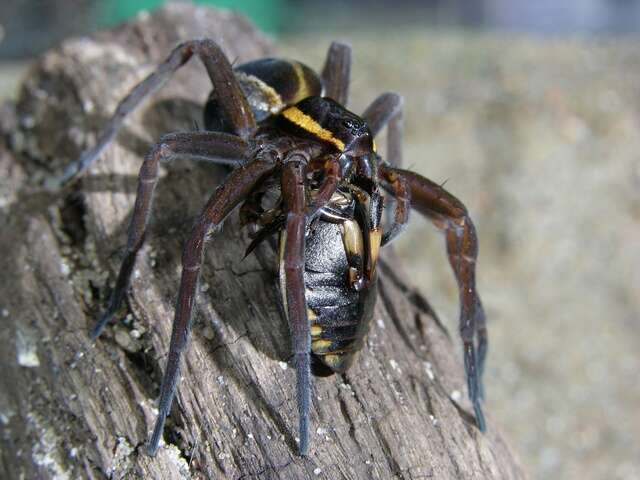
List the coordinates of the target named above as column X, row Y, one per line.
column 288, row 135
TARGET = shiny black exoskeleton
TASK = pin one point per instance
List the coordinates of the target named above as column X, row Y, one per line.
column 339, row 311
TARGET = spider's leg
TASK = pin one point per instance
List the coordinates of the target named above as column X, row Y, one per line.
column 336, row 73
column 394, row 137
column 232, row 101
column 227, row 196
column 483, row 346
column 293, row 194
column 450, row 215
column 210, row 146
column 316, row 206
column 397, row 185
column 328, row 187
column 386, row 111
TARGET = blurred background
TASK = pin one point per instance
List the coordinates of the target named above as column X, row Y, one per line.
column 529, row 112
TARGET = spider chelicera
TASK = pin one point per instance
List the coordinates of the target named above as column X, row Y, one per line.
column 307, row 169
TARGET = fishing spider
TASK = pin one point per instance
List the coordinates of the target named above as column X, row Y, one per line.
column 286, row 129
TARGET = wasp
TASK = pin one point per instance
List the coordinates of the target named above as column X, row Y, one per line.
column 306, row 169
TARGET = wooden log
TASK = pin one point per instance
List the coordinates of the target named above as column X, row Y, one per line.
column 69, row 409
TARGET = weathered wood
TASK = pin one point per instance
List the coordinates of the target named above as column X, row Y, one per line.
column 72, row 410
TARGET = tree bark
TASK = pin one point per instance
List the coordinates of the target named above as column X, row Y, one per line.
column 69, row 409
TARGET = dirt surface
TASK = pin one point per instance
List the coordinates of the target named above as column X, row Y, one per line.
column 540, row 139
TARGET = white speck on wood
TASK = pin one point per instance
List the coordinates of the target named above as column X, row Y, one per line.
column 208, row 333
column 395, row 365
column 429, row 369
column 26, row 351
column 122, row 338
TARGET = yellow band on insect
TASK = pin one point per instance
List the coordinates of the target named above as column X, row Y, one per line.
column 304, row 121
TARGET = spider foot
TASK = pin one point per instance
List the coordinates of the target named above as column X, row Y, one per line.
column 98, row 327
column 474, row 385
column 302, row 362
column 481, row 347
column 481, row 356
column 477, row 409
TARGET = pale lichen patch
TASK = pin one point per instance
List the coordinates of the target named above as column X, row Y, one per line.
column 5, row 416
column 175, row 456
column 45, row 452
column 122, row 457
column 26, row 351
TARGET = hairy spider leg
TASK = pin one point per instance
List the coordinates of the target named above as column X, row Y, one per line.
column 386, row 111
column 483, row 346
column 327, row 188
column 209, row 146
column 337, row 72
column 402, row 195
column 381, row 111
column 329, row 185
column 232, row 101
column 293, row 194
column 450, row 215
column 394, row 137
column 226, row 197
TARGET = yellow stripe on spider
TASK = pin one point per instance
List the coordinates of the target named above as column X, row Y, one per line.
column 304, row 121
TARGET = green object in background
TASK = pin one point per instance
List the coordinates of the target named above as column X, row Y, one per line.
column 267, row 14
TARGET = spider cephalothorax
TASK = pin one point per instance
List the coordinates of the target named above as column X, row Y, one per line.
column 306, row 169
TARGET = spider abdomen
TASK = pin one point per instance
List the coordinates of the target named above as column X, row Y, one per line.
column 269, row 85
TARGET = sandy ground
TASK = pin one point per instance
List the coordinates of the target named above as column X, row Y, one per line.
column 540, row 139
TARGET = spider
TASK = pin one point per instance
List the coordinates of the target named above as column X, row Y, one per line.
column 307, row 169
